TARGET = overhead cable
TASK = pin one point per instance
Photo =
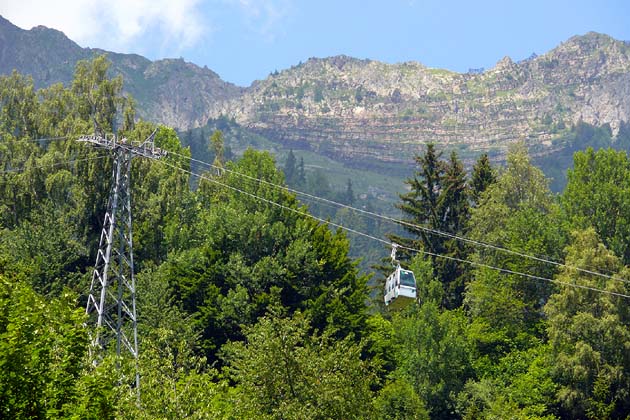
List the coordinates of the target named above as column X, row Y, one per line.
column 416, row 226
column 356, row 232
column 52, row 165
column 43, row 139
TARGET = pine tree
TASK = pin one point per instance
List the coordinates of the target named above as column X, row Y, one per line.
column 438, row 200
column 301, row 175
column 483, row 176
column 349, row 194
column 290, row 169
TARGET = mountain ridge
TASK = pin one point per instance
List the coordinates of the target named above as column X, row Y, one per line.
column 356, row 110
column 348, row 107
column 163, row 95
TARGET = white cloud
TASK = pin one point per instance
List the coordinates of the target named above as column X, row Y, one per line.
column 114, row 24
column 265, row 17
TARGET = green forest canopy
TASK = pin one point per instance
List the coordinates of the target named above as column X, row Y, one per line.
column 248, row 309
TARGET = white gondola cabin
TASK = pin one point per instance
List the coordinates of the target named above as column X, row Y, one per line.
column 400, row 288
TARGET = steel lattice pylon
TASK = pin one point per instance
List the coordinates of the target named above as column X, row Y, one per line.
column 111, row 302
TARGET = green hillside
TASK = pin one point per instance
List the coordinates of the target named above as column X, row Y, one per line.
column 248, row 306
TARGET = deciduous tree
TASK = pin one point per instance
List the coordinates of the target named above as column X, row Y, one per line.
column 589, row 333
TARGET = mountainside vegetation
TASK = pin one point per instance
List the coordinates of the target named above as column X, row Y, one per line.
column 248, row 307
column 363, row 121
column 170, row 91
column 366, row 112
column 369, row 114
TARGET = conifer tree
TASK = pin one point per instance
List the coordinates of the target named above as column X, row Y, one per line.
column 420, row 203
column 483, row 176
column 290, row 169
column 453, row 206
column 438, row 200
column 454, row 211
column 301, row 174
column 349, row 194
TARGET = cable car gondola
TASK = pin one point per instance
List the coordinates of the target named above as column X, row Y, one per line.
column 400, row 286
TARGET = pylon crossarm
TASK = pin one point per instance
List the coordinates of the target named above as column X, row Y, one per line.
column 146, row 149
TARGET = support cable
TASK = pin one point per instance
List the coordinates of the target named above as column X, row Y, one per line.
column 43, row 139
column 373, row 215
column 53, row 165
column 356, row 232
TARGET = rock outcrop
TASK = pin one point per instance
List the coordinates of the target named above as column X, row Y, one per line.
column 361, row 109
column 364, row 110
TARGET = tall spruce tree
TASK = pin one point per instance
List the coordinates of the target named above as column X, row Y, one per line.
column 301, row 174
column 290, row 169
column 454, row 210
column 483, row 175
column 420, row 203
column 438, row 200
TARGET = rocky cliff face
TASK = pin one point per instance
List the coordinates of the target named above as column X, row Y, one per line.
column 363, row 110
column 177, row 93
column 168, row 91
column 357, row 109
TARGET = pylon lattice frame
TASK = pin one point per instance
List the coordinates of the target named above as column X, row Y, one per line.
column 115, row 310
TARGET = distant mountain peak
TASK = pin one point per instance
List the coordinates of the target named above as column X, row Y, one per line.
column 591, row 37
column 504, row 63
column 588, row 42
column 170, row 91
column 350, row 108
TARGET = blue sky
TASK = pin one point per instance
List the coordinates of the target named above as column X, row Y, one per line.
column 244, row 40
